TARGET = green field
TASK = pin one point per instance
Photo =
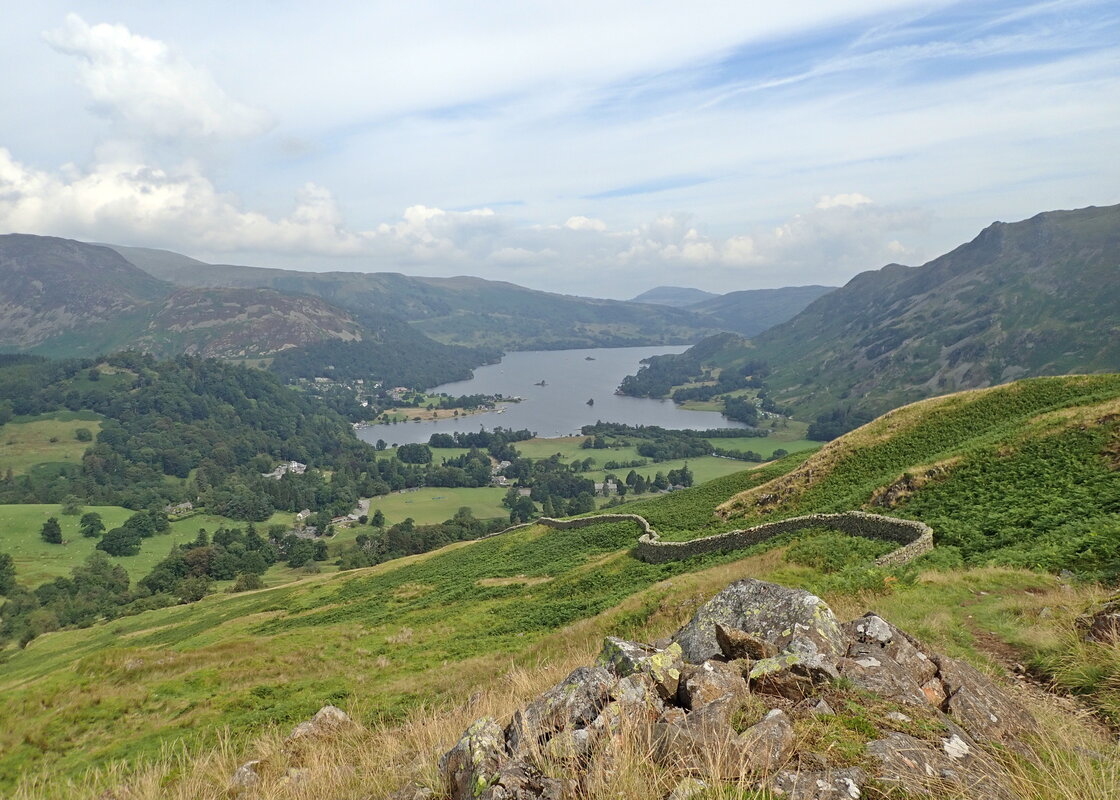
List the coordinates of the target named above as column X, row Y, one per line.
column 429, row 505
column 50, row 440
column 567, row 446
column 37, row 561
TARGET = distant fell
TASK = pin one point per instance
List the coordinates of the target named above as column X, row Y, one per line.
column 1036, row 297
column 675, row 296
column 752, row 311
column 459, row 310
column 243, row 323
column 49, row 286
column 66, row 298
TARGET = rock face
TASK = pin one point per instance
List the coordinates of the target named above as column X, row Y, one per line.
column 741, row 695
column 788, row 619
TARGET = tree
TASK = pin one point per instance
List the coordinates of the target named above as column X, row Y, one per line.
column 51, row 531
column 91, row 525
column 247, row 581
column 523, row 510
column 193, row 588
column 378, row 519
column 121, row 542
column 83, row 435
column 7, row 574
column 71, row 505
column 414, row 454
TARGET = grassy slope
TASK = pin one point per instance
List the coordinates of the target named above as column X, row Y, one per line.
column 37, row 561
column 386, row 639
column 1043, row 437
column 24, row 445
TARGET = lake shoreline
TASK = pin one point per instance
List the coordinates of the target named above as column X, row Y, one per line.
column 555, row 387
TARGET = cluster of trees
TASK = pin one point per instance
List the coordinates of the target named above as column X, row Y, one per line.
column 407, row 538
column 100, row 589
column 660, row 374
column 836, row 423
column 393, row 353
column 170, row 418
column 126, row 540
column 748, row 376
column 484, row 439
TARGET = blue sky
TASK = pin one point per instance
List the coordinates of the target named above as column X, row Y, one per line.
column 588, row 148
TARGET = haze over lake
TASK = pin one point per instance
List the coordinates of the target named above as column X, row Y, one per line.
column 559, row 408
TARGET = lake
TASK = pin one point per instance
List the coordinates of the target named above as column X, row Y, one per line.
column 559, row 408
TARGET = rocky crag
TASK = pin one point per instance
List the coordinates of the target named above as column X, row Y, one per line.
column 763, row 690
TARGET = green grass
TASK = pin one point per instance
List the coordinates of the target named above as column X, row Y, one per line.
column 428, row 505
column 567, row 446
column 703, row 469
column 24, row 445
column 37, row 561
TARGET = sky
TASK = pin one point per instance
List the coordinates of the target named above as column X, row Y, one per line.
column 581, row 147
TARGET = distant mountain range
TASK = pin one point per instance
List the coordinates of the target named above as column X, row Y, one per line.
column 752, row 311
column 463, row 310
column 676, row 296
column 1037, row 297
column 64, row 298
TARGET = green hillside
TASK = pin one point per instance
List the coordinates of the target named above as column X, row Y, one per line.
column 386, row 640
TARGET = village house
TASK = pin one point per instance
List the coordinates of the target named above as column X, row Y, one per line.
column 294, row 467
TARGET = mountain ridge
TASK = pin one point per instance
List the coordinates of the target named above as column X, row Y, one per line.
column 462, row 310
column 1036, row 297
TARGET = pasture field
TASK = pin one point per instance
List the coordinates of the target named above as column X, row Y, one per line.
column 428, row 505
column 567, row 446
column 44, row 440
column 37, row 561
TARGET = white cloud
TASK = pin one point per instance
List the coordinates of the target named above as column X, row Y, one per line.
column 848, row 200
column 132, row 203
column 585, row 224
column 147, row 88
column 135, row 203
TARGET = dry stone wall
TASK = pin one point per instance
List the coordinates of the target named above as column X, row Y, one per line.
column 914, row 538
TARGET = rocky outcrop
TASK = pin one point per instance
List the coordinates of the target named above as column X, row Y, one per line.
column 1102, row 623
column 763, row 689
column 787, row 619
